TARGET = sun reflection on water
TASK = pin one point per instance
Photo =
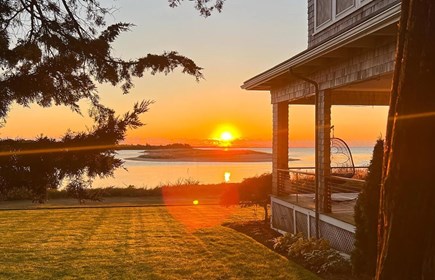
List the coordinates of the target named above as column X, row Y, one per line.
column 227, row 176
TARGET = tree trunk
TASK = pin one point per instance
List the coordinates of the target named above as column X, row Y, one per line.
column 266, row 215
column 406, row 248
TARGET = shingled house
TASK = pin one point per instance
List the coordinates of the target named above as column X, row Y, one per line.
column 349, row 61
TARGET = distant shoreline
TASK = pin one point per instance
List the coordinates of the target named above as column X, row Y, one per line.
column 148, row 147
column 200, row 155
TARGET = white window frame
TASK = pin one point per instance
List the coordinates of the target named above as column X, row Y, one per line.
column 336, row 17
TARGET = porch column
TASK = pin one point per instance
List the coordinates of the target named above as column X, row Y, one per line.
column 280, row 142
column 323, row 160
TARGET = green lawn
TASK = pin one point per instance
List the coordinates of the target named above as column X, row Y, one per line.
column 73, row 203
column 178, row 242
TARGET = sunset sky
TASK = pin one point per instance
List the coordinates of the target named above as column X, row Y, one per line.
column 249, row 37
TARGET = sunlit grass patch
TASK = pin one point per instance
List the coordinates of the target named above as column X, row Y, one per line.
column 136, row 243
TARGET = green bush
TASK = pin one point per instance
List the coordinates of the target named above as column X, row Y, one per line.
column 315, row 254
column 318, row 256
column 251, row 191
column 366, row 217
column 130, row 191
column 326, row 261
column 16, row 194
column 282, row 243
column 303, row 246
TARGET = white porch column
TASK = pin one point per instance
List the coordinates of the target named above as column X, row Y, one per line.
column 280, row 142
column 323, row 160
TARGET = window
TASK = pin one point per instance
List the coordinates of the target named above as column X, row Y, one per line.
column 323, row 12
column 343, row 5
column 329, row 11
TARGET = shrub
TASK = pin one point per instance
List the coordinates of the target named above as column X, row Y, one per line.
column 304, row 246
column 251, row 191
column 15, row 194
column 82, row 191
column 314, row 254
column 326, row 261
column 366, row 217
column 318, row 256
column 283, row 243
column 131, row 191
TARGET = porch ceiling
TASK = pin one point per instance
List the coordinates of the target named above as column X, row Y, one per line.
column 376, row 30
column 373, row 92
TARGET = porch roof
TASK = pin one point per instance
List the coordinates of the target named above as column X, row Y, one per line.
column 306, row 62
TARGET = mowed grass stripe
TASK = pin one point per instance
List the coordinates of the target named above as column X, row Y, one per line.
column 135, row 243
column 42, row 241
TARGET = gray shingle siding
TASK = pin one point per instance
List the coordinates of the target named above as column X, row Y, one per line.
column 349, row 21
column 362, row 65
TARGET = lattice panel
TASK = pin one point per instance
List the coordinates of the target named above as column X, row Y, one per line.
column 340, row 239
column 282, row 217
column 313, row 226
column 301, row 223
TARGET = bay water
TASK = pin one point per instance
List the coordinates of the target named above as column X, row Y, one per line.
column 150, row 174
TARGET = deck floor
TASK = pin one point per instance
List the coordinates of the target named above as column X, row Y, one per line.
column 343, row 204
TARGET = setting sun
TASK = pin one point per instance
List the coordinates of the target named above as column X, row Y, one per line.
column 226, row 136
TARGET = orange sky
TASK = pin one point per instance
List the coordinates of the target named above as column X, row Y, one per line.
column 250, row 36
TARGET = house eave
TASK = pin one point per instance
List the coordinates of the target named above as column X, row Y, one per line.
column 265, row 80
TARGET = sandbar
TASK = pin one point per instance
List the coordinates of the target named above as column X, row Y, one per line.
column 204, row 155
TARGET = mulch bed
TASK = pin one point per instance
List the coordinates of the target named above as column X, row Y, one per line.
column 262, row 233
column 257, row 230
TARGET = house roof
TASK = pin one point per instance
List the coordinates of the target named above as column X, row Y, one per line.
column 359, row 36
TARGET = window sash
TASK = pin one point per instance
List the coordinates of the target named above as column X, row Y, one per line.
column 323, row 11
column 342, row 6
column 327, row 12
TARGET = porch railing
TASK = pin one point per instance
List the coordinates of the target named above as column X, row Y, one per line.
column 298, row 185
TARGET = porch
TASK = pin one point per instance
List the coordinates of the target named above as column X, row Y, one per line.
column 297, row 186
column 294, row 206
column 353, row 68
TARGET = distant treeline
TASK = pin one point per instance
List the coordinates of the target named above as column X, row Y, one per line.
column 30, row 144
column 154, row 147
column 185, row 190
column 251, row 191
